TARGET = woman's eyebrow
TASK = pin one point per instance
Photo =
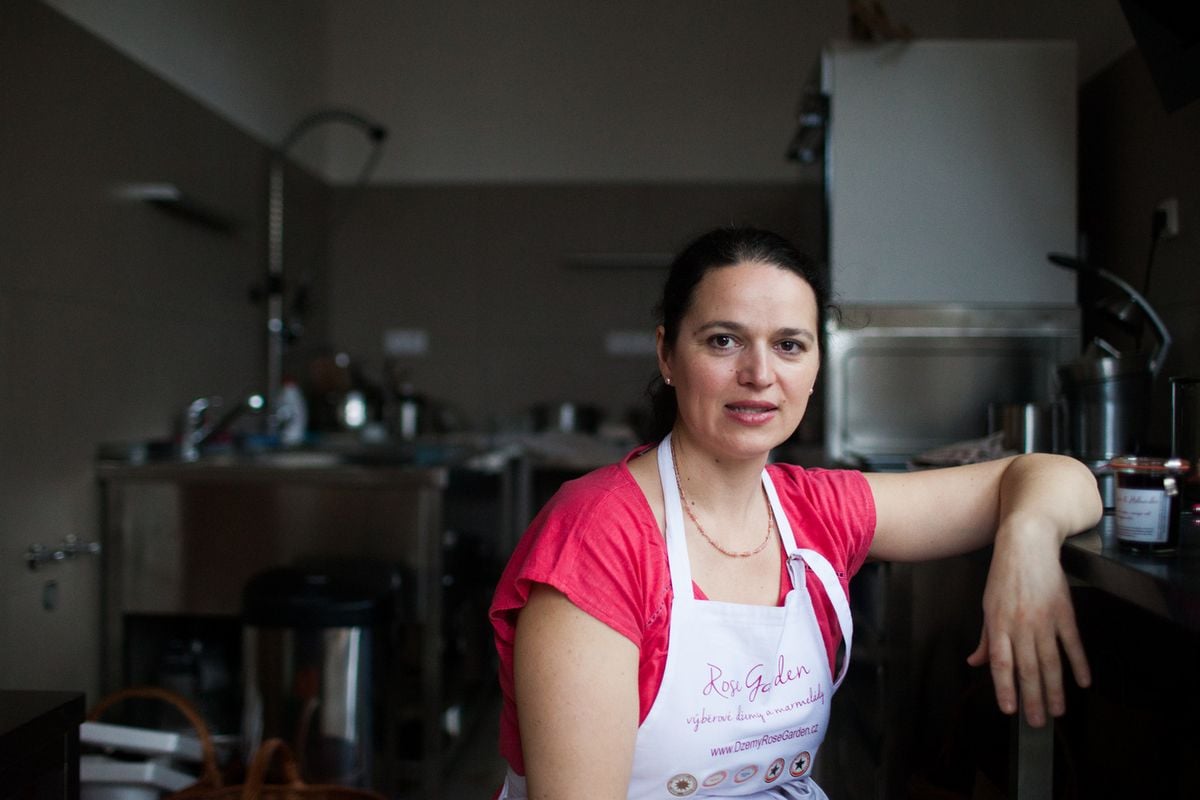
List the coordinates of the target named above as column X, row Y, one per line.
column 737, row 327
column 797, row 333
column 723, row 324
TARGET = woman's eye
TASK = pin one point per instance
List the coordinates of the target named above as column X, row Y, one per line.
column 722, row 341
column 791, row 346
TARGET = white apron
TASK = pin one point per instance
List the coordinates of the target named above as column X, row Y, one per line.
column 744, row 700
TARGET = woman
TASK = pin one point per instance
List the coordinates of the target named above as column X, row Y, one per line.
column 676, row 624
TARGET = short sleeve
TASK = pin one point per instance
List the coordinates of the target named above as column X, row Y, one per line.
column 598, row 543
column 590, row 543
column 832, row 511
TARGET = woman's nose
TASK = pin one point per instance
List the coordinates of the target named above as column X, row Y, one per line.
column 754, row 367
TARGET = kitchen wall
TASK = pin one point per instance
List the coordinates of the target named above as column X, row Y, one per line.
column 1133, row 155
column 492, row 273
column 113, row 313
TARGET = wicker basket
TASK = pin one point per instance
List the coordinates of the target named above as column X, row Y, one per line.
column 291, row 787
column 210, row 775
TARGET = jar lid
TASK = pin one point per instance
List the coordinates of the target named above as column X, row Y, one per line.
column 1148, row 466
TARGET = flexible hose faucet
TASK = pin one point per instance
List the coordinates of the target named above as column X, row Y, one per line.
column 201, row 423
column 276, row 325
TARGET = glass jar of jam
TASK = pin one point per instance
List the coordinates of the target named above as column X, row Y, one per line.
column 1147, row 502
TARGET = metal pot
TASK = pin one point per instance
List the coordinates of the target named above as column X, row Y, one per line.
column 1027, row 427
column 1107, row 405
column 566, row 418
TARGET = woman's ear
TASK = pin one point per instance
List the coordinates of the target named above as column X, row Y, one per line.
column 660, row 347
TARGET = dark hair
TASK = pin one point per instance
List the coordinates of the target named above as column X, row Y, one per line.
column 723, row 247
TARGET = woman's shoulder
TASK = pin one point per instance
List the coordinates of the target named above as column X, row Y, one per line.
column 601, row 492
column 817, row 481
column 832, row 510
column 596, row 541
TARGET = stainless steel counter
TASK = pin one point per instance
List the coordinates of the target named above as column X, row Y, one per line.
column 290, row 467
column 181, row 541
column 1167, row 586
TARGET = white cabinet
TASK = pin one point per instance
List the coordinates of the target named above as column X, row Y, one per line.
column 951, row 171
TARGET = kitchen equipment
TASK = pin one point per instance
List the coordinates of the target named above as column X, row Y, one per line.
column 902, row 380
column 406, row 413
column 1147, row 502
column 1107, row 390
column 275, row 774
column 280, row 329
column 1025, row 427
column 950, row 169
column 1107, row 403
column 566, row 418
column 144, row 763
column 1185, row 434
column 316, row 657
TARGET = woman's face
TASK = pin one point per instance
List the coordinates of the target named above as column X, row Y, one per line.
column 745, row 360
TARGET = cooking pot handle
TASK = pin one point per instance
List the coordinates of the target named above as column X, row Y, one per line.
column 1164, row 337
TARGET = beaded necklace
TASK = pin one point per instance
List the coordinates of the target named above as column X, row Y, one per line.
column 700, row 528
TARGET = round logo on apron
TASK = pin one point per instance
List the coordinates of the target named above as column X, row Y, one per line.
column 682, row 785
column 745, row 773
column 800, row 764
column 774, row 771
column 714, row 779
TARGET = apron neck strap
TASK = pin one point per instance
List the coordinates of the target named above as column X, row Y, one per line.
column 677, row 554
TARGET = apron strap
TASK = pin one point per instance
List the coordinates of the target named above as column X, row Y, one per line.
column 837, row 598
column 677, row 555
column 820, row 567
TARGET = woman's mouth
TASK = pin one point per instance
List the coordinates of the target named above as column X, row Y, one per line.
column 752, row 412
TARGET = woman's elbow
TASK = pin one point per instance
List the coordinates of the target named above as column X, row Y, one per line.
column 1074, row 487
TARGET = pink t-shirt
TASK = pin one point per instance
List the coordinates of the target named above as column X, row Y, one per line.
column 598, row 543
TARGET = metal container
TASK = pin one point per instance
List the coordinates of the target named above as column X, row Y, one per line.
column 1107, row 405
column 1185, row 434
column 1027, row 427
column 315, row 665
column 566, row 418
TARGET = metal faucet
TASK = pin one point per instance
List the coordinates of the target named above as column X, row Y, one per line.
column 201, row 425
column 277, row 326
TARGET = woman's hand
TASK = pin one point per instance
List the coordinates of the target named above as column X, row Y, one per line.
column 1026, row 505
column 1027, row 613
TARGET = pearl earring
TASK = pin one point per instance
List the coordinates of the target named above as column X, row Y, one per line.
column 666, row 380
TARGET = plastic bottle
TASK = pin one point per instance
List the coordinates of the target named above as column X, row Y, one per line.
column 409, row 408
column 293, row 414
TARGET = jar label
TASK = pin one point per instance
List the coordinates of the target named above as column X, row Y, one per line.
column 1143, row 515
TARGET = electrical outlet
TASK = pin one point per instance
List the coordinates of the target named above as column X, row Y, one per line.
column 1170, row 209
column 405, row 342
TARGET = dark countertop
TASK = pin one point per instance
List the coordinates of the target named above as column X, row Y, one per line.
column 39, row 744
column 1165, row 585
